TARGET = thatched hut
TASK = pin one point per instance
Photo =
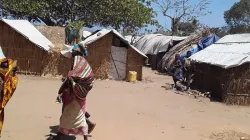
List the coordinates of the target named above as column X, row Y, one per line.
column 111, row 55
column 21, row 41
column 223, row 69
column 193, row 43
column 183, row 46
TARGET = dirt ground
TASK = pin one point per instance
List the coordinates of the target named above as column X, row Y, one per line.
column 125, row 111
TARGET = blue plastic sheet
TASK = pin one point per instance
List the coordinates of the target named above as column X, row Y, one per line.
column 207, row 41
column 202, row 44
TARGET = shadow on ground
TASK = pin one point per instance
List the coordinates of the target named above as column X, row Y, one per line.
column 196, row 92
column 54, row 130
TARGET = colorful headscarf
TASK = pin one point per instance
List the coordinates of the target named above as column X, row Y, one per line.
column 80, row 47
column 67, row 50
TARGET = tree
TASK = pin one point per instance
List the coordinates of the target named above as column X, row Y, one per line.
column 238, row 17
column 220, row 31
column 128, row 16
column 163, row 31
column 187, row 28
column 182, row 10
column 120, row 14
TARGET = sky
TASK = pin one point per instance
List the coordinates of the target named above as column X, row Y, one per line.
column 215, row 19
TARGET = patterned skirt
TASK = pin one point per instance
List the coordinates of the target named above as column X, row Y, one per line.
column 73, row 121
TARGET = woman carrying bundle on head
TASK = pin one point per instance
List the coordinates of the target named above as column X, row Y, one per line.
column 73, row 93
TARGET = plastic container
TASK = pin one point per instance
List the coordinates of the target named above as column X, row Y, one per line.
column 132, row 76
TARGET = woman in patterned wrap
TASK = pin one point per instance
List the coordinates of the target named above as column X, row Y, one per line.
column 73, row 93
column 8, row 84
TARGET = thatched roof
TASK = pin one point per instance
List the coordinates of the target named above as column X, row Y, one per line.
column 54, row 33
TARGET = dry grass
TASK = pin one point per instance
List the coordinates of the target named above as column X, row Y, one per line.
column 102, row 72
column 55, row 34
column 53, row 58
column 55, row 62
column 230, row 135
column 237, row 88
column 237, row 100
column 231, row 86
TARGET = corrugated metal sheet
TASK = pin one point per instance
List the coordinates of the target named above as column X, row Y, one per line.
column 236, row 38
column 230, row 51
column 25, row 28
column 104, row 32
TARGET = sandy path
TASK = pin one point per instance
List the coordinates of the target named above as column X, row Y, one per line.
column 123, row 111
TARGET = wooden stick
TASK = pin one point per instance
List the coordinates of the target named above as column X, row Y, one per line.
column 238, row 94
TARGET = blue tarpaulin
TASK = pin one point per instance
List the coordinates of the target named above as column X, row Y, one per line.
column 180, row 48
column 202, row 44
column 198, row 42
column 207, row 41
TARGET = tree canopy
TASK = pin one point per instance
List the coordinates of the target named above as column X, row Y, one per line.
column 119, row 14
column 220, row 31
column 187, row 28
column 238, row 17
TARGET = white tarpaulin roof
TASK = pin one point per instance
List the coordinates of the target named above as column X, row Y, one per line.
column 1, row 53
column 230, row 51
column 155, row 43
column 128, row 38
column 104, row 32
column 86, row 34
column 132, row 39
column 25, row 28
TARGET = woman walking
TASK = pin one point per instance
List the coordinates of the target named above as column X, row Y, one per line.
column 73, row 93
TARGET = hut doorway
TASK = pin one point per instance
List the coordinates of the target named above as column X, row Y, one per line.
column 118, row 62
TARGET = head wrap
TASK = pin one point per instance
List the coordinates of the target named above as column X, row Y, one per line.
column 67, row 50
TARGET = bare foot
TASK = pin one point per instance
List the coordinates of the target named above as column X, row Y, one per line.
column 91, row 127
column 86, row 137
